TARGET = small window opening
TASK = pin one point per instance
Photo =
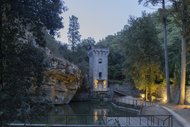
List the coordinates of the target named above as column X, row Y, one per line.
column 100, row 60
column 100, row 74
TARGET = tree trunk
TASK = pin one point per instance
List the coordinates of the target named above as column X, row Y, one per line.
column 183, row 72
column 183, row 53
column 166, row 53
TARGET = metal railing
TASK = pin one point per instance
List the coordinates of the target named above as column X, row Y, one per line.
column 132, row 101
column 103, row 121
column 145, row 120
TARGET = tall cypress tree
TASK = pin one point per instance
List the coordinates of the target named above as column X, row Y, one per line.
column 73, row 33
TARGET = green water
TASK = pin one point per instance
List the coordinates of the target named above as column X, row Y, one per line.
column 91, row 112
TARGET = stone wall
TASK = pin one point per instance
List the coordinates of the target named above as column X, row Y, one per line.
column 175, row 93
column 188, row 94
column 162, row 93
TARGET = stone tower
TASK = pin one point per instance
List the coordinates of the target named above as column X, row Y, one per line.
column 98, row 69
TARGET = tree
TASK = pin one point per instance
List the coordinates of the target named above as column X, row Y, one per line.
column 115, row 58
column 143, row 65
column 182, row 17
column 73, row 33
column 22, row 30
column 164, row 21
column 81, row 56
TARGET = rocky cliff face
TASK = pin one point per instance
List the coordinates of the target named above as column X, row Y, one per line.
column 61, row 80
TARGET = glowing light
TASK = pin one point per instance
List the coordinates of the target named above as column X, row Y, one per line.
column 153, row 98
column 188, row 100
column 104, row 112
column 188, row 94
column 95, row 115
column 104, row 84
column 95, row 84
column 142, row 96
column 164, row 100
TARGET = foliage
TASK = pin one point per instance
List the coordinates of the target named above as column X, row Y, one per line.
column 80, row 56
column 22, row 70
column 147, row 2
column 53, row 45
column 181, row 13
column 130, row 47
column 18, row 15
column 182, row 10
column 174, row 46
column 115, row 58
column 73, row 33
column 143, row 65
column 22, row 63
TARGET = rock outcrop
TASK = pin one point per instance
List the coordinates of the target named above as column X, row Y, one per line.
column 61, row 80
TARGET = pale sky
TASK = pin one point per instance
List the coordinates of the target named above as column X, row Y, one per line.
column 99, row 18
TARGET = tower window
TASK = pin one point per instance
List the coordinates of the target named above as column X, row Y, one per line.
column 100, row 74
column 100, row 60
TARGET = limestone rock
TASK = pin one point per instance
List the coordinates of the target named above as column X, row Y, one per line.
column 61, row 80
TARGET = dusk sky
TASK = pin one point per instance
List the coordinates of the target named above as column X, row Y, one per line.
column 99, row 18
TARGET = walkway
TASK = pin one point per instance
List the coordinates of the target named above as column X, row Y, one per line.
column 181, row 112
column 159, row 110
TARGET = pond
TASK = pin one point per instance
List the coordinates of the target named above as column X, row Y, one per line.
column 90, row 112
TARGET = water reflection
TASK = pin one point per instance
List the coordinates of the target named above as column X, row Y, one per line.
column 95, row 116
column 92, row 112
column 100, row 114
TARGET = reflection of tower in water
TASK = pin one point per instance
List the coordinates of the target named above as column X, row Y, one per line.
column 99, row 115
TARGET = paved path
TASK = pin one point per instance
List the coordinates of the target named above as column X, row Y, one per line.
column 179, row 118
column 180, row 112
column 158, row 110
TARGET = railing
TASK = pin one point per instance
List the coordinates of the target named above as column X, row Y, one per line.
column 131, row 101
column 120, row 91
column 103, row 121
column 144, row 121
